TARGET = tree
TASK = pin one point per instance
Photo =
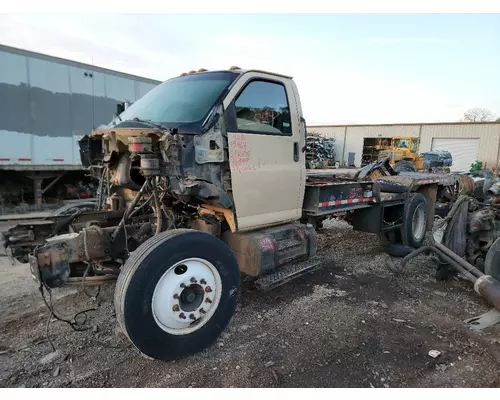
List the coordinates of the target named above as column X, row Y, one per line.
column 498, row 119
column 478, row 115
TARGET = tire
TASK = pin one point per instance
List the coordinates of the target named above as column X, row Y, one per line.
column 398, row 250
column 414, row 221
column 390, row 186
column 405, row 236
column 390, row 238
column 492, row 260
column 404, row 166
column 70, row 209
column 151, row 275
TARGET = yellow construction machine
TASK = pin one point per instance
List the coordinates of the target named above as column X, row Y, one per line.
column 403, row 154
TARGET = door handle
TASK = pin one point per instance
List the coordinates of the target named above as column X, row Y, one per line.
column 296, row 151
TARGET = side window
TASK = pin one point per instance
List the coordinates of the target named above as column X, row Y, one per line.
column 263, row 107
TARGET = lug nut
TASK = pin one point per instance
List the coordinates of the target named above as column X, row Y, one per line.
column 192, row 317
column 182, row 316
column 203, row 282
column 176, row 296
column 207, row 300
column 176, row 308
column 183, row 285
column 202, row 311
column 193, row 280
column 208, row 289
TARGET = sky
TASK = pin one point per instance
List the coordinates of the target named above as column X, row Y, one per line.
column 349, row 68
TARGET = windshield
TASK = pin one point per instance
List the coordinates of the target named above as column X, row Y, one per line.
column 183, row 101
column 406, row 143
column 401, row 143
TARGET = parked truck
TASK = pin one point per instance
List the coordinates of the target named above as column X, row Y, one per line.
column 202, row 180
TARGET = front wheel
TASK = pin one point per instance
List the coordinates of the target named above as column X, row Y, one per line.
column 177, row 293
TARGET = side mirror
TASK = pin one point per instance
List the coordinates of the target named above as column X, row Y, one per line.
column 120, row 107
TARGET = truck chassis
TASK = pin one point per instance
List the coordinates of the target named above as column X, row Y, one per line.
column 183, row 212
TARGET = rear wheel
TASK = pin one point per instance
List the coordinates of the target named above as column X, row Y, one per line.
column 177, row 293
column 414, row 221
column 414, row 227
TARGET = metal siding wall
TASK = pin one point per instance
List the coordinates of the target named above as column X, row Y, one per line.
column 50, row 112
column 14, row 110
column 120, row 89
column 488, row 135
column 142, row 88
column 82, row 105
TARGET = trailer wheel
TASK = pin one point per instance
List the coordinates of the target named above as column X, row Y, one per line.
column 404, row 166
column 414, row 221
column 177, row 293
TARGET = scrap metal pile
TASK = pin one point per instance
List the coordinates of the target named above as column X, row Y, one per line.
column 471, row 229
column 467, row 240
column 320, row 151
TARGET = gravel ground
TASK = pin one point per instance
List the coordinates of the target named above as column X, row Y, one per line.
column 351, row 323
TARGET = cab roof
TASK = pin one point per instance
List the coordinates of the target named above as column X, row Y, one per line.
column 240, row 71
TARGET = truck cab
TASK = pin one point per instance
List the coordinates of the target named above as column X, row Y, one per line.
column 238, row 138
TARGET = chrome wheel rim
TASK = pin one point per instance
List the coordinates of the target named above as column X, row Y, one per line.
column 186, row 296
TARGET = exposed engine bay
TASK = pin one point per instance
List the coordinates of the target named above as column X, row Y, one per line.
column 471, row 228
column 150, row 180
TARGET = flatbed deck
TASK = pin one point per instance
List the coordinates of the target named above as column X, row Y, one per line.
column 332, row 191
column 349, row 174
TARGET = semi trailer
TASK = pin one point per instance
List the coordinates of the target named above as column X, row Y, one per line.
column 47, row 105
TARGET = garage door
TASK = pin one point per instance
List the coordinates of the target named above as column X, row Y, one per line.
column 463, row 151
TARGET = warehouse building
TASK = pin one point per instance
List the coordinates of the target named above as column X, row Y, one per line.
column 467, row 142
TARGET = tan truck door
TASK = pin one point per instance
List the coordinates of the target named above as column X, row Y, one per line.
column 266, row 137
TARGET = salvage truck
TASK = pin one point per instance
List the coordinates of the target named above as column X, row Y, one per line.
column 202, row 181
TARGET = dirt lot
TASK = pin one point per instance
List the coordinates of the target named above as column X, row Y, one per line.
column 350, row 324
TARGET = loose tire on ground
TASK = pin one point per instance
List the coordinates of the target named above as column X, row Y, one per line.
column 404, row 166
column 143, row 301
